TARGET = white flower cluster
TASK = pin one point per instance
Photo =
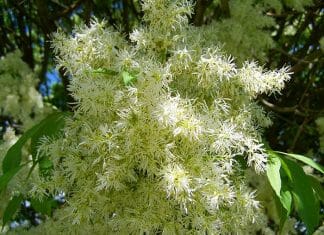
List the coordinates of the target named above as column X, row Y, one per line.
column 21, row 103
column 18, row 97
column 161, row 122
column 246, row 31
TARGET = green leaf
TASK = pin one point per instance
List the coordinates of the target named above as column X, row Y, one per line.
column 317, row 187
column 305, row 160
column 6, row 177
column 128, row 78
column 45, row 163
column 13, row 156
column 12, row 207
column 44, row 206
column 273, row 173
column 306, row 203
column 282, row 213
column 283, row 204
column 45, row 166
column 286, row 200
column 105, row 71
column 50, row 126
column 286, row 169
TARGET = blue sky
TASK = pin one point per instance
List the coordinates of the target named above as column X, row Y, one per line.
column 52, row 77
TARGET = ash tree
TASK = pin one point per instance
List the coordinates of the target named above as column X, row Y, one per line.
column 164, row 126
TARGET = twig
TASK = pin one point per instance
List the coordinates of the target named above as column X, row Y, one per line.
column 67, row 10
column 200, row 8
column 299, row 131
column 292, row 57
column 310, row 82
column 294, row 109
column 126, row 17
column 66, row 83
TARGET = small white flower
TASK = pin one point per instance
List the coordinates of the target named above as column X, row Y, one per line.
column 176, row 181
column 190, row 128
column 170, row 112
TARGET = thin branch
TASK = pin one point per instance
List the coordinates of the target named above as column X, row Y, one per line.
column 66, row 82
column 310, row 57
column 293, row 109
column 292, row 57
column 67, row 10
column 298, row 133
column 283, row 14
column 224, row 5
column 126, row 17
column 26, row 46
column 200, row 8
column 88, row 5
column 135, row 12
column 45, row 61
column 309, row 83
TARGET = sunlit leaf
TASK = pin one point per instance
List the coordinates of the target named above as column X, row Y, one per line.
column 128, row 78
column 282, row 212
column 306, row 203
column 286, row 169
column 286, row 200
column 105, row 71
column 305, row 160
column 273, row 173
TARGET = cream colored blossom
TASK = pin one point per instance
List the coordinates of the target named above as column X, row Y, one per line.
column 160, row 154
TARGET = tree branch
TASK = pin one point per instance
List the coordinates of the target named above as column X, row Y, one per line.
column 126, row 17
column 67, row 10
column 200, row 8
column 66, row 83
column 293, row 109
column 298, row 133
